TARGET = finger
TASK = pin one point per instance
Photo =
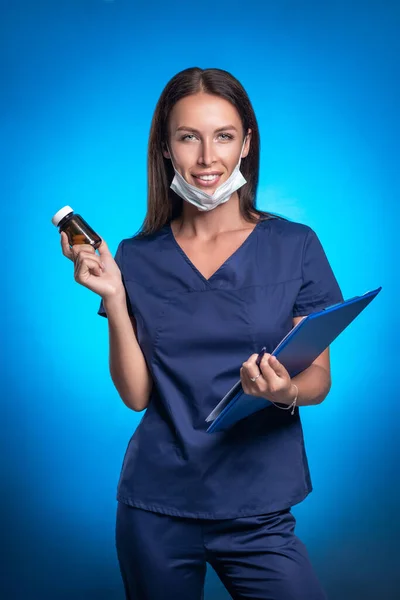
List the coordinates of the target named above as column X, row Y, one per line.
column 82, row 251
column 66, row 250
column 247, row 377
column 250, row 366
column 265, row 368
column 253, row 388
column 86, row 267
column 245, row 373
column 247, row 385
column 250, row 362
column 86, row 256
column 103, row 249
column 278, row 367
column 83, row 248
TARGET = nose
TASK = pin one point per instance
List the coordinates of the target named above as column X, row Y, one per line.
column 206, row 153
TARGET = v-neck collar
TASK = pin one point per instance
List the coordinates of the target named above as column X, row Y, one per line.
column 223, row 265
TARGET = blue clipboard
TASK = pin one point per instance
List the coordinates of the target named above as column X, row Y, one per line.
column 296, row 351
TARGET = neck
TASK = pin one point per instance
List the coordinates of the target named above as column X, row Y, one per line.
column 208, row 224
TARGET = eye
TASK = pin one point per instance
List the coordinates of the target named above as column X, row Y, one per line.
column 228, row 136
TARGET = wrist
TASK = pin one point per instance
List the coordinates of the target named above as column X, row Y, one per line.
column 292, row 394
column 295, row 397
column 118, row 298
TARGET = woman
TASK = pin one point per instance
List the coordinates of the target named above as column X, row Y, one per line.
column 190, row 301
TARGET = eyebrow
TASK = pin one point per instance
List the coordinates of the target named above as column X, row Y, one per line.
column 183, row 127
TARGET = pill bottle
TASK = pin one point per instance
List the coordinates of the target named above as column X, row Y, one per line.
column 76, row 228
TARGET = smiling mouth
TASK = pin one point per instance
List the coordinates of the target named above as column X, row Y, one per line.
column 206, row 180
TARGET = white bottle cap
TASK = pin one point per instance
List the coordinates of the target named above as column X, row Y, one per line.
column 63, row 212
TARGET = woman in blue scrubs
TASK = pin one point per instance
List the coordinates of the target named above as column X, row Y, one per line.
column 191, row 300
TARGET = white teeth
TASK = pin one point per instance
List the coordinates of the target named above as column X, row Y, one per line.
column 208, row 177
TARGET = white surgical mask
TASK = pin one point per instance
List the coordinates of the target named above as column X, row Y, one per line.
column 201, row 199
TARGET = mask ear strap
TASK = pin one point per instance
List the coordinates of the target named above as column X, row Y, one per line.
column 244, row 141
column 170, row 154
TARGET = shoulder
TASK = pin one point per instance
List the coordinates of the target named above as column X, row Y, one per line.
column 285, row 229
column 139, row 248
column 140, row 240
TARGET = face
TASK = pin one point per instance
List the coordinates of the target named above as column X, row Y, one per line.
column 205, row 139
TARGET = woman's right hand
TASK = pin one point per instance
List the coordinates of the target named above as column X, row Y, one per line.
column 100, row 274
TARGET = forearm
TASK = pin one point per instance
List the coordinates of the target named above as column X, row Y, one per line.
column 128, row 367
column 313, row 384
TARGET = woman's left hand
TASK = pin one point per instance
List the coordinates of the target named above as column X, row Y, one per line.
column 274, row 382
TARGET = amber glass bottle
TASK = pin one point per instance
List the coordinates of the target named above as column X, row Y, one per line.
column 76, row 228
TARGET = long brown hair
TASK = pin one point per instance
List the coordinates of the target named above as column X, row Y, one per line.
column 163, row 204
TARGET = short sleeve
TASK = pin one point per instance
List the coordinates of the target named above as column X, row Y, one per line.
column 119, row 260
column 319, row 287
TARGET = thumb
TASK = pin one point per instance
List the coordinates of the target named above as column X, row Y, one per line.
column 103, row 249
column 277, row 367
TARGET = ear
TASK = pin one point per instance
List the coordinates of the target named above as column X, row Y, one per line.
column 246, row 148
column 165, row 152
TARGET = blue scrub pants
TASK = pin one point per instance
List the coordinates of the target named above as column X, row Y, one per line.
column 165, row 558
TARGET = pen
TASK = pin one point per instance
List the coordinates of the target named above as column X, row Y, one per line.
column 259, row 357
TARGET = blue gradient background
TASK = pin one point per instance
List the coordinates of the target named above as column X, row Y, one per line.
column 80, row 80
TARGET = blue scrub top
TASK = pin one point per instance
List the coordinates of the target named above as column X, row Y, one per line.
column 195, row 333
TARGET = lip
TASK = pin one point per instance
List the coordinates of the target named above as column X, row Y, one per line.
column 207, row 173
column 207, row 184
